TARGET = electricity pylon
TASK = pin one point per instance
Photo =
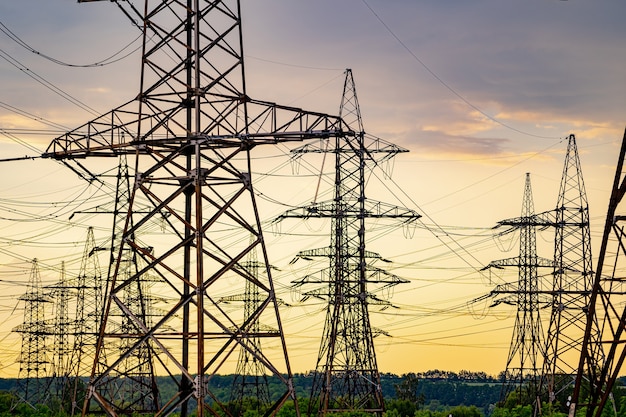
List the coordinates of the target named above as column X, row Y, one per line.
column 596, row 373
column 35, row 365
column 524, row 361
column 572, row 286
column 136, row 381
column 250, row 381
column 347, row 377
column 192, row 128
column 88, row 289
column 61, row 348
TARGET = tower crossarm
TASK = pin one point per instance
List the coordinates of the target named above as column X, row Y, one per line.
column 328, row 252
column 379, row 332
column 116, row 132
column 372, row 145
column 322, row 293
column 373, row 210
column 544, row 219
column 509, row 292
column 519, row 262
column 373, row 276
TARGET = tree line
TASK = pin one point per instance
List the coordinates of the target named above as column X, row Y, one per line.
column 433, row 393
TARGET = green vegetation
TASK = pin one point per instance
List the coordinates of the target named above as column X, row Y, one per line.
column 429, row 394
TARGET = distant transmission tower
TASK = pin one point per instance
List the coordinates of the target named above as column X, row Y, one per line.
column 192, row 211
column 596, row 374
column 523, row 366
column 136, row 382
column 572, row 285
column 35, row 366
column 88, row 289
column 61, row 348
column 250, row 380
column 347, row 377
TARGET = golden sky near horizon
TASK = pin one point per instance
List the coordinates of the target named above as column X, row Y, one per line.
column 479, row 94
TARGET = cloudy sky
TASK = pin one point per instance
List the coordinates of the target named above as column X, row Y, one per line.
column 480, row 92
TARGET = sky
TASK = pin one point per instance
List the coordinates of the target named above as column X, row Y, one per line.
column 479, row 92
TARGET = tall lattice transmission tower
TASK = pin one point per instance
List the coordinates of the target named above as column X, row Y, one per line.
column 192, row 128
column 136, row 380
column 346, row 377
column 524, row 361
column 250, row 383
column 35, row 365
column 596, row 374
column 572, row 285
column 88, row 289
column 61, row 348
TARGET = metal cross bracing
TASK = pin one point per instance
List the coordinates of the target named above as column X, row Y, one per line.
column 603, row 353
column 61, row 348
column 35, row 365
column 88, row 290
column 571, row 289
column 568, row 295
column 250, row 385
column 347, row 377
column 191, row 128
column 136, row 380
column 524, row 361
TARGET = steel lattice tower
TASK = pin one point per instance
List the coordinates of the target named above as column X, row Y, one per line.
column 347, row 377
column 250, row 380
column 523, row 366
column 597, row 374
column 572, row 284
column 88, row 289
column 61, row 330
column 192, row 128
column 138, row 387
column 35, row 366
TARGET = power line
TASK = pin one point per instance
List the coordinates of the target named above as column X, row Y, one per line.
column 17, row 64
column 446, row 85
column 106, row 61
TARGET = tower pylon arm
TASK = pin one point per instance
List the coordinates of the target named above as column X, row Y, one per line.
column 518, row 262
column 373, row 276
column 545, row 219
column 328, row 252
column 329, row 209
column 117, row 132
column 372, row 145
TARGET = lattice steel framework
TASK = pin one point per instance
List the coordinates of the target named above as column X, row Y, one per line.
column 250, row 383
column 572, row 285
column 88, row 289
column 347, row 377
column 597, row 374
column 138, row 386
column 192, row 128
column 523, row 366
column 61, row 347
column 35, row 365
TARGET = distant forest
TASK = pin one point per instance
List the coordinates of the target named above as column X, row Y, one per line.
column 435, row 390
column 434, row 393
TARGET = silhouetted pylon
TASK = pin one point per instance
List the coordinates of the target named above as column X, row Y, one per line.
column 192, row 209
column 524, row 361
column 250, row 383
column 571, row 286
column 596, row 373
column 35, row 365
column 61, row 347
column 135, row 380
column 88, row 289
column 347, row 377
